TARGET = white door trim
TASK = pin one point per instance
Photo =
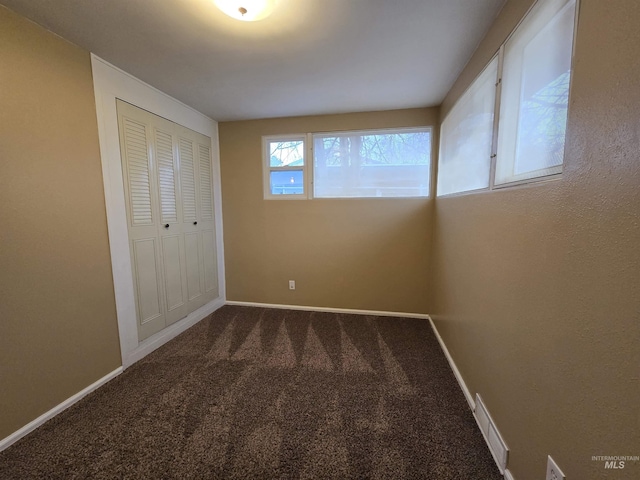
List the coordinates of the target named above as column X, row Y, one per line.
column 109, row 83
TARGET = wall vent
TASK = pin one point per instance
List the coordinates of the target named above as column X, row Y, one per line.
column 491, row 435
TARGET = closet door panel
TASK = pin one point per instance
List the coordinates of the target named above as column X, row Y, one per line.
column 171, row 259
column 192, row 253
column 140, row 199
column 206, row 223
column 166, row 177
column 188, row 181
column 148, row 286
column 137, row 173
column 210, row 262
column 206, row 183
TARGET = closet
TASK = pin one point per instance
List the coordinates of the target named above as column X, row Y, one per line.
column 168, row 182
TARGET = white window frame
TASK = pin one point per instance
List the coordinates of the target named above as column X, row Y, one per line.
column 267, row 168
column 555, row 172
column 308, row 167
column 496, row 116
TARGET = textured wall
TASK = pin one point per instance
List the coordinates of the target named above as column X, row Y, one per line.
column 536, row 289
column 58, row 330
column 347, row 253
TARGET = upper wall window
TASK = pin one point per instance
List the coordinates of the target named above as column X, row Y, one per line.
column 284, row 167
column 535, row 93
column 466, row 135
column 372, row 163
column 527, row 135
column 386, row 163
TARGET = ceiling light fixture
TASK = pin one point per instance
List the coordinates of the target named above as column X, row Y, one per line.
column 247, row 10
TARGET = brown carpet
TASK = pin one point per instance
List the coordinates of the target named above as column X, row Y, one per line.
column 264, row 393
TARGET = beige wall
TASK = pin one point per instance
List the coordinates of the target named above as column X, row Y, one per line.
column 58, row 330
column 344, row 253
column 537, row 289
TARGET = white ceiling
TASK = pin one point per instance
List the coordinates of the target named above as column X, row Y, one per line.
column 308, row 57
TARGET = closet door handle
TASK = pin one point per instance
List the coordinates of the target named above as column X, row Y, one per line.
column 166, row 225
column 195, row 223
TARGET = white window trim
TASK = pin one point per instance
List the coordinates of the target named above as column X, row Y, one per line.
column 267, row 169
column 308, row 167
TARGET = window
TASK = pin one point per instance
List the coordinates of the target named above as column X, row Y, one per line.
column 285, row 167
column 384, row 163
column 527, row 137
column 535, row 93
column 466, row 135
column 373, row 163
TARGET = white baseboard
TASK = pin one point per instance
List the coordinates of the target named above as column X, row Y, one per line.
column 500, row 459
column 452, row 364
column 154, row 342
column 31, row 426
column 331, row 310
column 143, row 349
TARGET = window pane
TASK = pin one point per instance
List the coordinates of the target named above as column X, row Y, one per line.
column 535, row 93
column 466, row 137
column 286, row 182
column 286, row 154
column 372, row 164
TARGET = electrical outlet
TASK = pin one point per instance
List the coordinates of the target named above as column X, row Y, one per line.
column 292, row 284
column 553, row 471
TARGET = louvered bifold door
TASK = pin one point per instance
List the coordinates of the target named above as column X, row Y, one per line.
column 199, row 219
column 168, row 178
column 192, row 239
column 171, row 232
column 207, row 221
column 143, row 218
